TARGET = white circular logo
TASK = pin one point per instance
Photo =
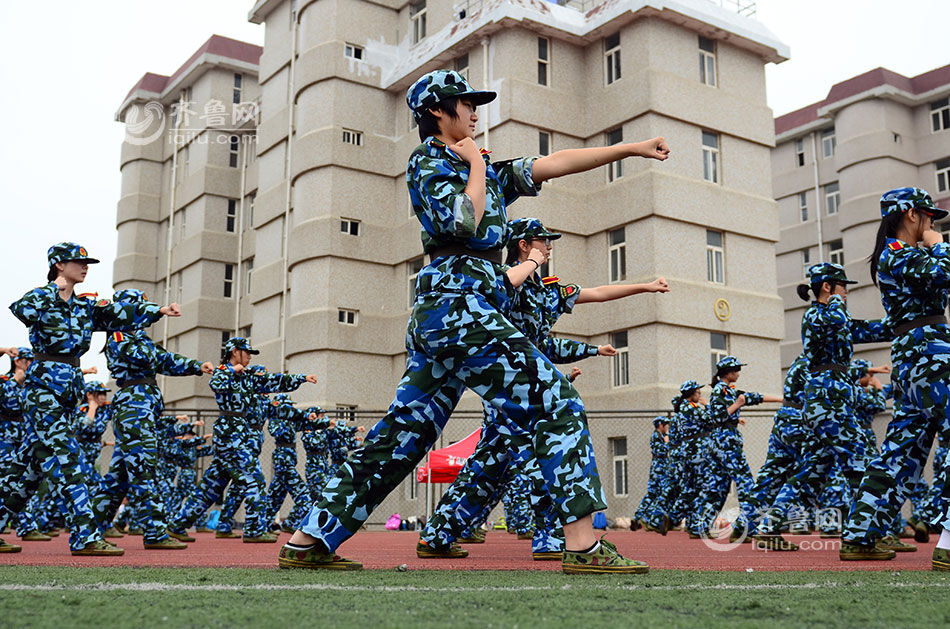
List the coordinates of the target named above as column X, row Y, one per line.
column 717, row 536
column 149, row 128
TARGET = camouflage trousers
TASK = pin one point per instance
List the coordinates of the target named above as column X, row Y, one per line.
column 49, row 451
column 783, row 458
column 286, row 480
column 519, row 516
column 922, row 385
column 236, row 492
column 136, row 411
column 504, row 449
column 40, row 512
column 231, row 502
column 185, row 484
column 689, row 468
column 836, row 440
column 319, row 471
column 654, row 508
column 933, row 503
column 727, row 464
column 233, row 462
column 456, row 341
column 90, row 452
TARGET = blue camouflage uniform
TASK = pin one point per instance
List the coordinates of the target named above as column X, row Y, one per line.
column 12, row 427
column 653, row 509
column 235, row 444
column 134, row 361
column 318, row 469
column 89, row 433
column 828, row 337
column 691, row 457
column 284, row 421
column 458, row 337
column 60, row 332
column 914, row 284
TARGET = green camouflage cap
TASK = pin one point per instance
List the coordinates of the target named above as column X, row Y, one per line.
column 899, row 200
column 828, row 272
column 68, row 252
column 94, row 386
column 528, row 228
column 26, row 353
column 729, row 362
column 441, row 84
column 690, row 385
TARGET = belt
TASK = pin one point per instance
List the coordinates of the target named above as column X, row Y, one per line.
column 231, row 414
column 132, row 383
column 285, row 444
column 829, row 367
column 57, row 358
column 11, row 418
column 796, row 405
column 905, row 327
column 455, row 249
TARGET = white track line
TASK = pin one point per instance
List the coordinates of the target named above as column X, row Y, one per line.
column 181, row 587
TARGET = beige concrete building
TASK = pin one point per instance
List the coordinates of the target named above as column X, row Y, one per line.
column 831, row 163
column 335, row 248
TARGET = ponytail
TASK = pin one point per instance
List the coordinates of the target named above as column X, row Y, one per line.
column 803, row 289
column 887, row 229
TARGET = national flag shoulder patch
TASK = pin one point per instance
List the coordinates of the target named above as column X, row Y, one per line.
column 896, row 245
column 550, row 279
column 118, row 336
column 89, row 295
column 102, row 303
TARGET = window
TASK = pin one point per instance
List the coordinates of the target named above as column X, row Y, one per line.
column 544, row 143
column 707, row 61
column 228, row 279
column 352, row 51
column 461, row 65
column 350, row 226
column 618, row 448
column 832, row 198
column 225, row 336
column 612, row 58
column 621, row 361
column 414, row 267
column 614, row 169
column 233, row 151
column 800, row 152
column 178, row 287
column 617, row 248
column 231, row 216
column 803, row 205
column 346, row 412
column 715, row 254
column 806, row 262
column 238, row 86
column 181, row 169
column 836, row 252
column 544, row 59
column 711, row 156
column 943, row 175
column 828, row 142
column 245, row 332
column 944, row 229
column 417, row 21
column 718, row 348
column 347, row 317
column 352, row 137
column 249, row 265
column 249, row 210
column 940, row 115
column 547, row 269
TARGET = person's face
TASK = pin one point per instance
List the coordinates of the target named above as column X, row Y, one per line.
column 240, row 357
column 925, row 222
column 73, row 271
column 463, row 125
column 731, row 376
column 694, row 396
column 23, row 363
column 545, row 245
column 663, row 428
column 100, row 398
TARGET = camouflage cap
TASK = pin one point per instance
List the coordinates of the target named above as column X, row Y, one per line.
column 68, row 252
column 129, row 295
column 660, row 420
column 690, row 385
column 436, row 86
column 26, row 353
column 828, row 272
column 729, row 362
column 239, row 342
column 528, row 228
column 94, row 386
column 900, row 200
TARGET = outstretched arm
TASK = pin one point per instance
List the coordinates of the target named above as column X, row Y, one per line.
column 570, row 161
column 610, row 292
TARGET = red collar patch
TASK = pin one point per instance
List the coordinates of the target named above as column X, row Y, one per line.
column 897, row 245
column 551, row 279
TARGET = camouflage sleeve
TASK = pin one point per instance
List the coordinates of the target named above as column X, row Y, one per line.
column 752, row 398
column 438, row 189
column 221, row 380
column 204, row 450
column 875, row 402
column 836, row 314
column 300, row 418
column 925, row 267
column 656, row 444
column 560, row 351
column 888, row 391
column 870, row 331
column 132, row 352
column 123, row 316
column 28, row 308
column 275, row 382
column 567, row 295
column 516, row 179
column 718, row 407
column 180, row 430
column 172, row 364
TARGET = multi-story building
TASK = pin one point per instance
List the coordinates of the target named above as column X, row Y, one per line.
column 336, row 249
column 833, row 160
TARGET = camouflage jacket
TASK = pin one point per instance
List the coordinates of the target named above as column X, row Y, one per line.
column 722, row 397
column 133, row 355
column 437, row 178
column 65, row 327
column 11, row 411
column 691, row 419
column 868, row 403
column 285, row 420
column 239, row 393
column 659, row 447
column 793, row 388
column 90, row 430
column 536, row 307
column 342, row 439
column 829, row 334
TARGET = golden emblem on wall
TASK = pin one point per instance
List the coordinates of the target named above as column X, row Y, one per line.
column 722, row 309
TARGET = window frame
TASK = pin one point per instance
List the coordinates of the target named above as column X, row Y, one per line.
column 544, row 62
column 228, row 289
column 350, row 226
column 832, row 198
column 238, row 90
column 799, row 152
column 716, row 254
column 234, row 151
column 715, row 353
column 942, row 174
column 617, row 255
column 613, row 70
column 230, row 223
column 829, row 143
column 836, row 252
column 352, row 137
column 940, row 115
column 348, row 316
column 353, row 51
column 418, row 15
column 615, row 168
column 620, row 362
column 712, row 157
column 803, row 206
column 624, row 465
column 708, row 58
column 806, row 261
column 462, row 68
column 545, row 137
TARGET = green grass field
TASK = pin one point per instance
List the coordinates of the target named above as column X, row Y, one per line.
column 225, row 597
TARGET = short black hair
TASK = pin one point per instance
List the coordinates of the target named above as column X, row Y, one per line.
column 429, row 124
column 52, row 274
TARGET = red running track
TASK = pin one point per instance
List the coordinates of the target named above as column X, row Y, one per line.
column 388, row 549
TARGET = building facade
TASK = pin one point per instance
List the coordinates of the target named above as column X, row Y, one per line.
column 330, row 250
column 832, row 162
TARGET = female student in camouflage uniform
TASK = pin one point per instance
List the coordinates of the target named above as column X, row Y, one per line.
column 691, row 458
column 458, row 336
column 911, row 267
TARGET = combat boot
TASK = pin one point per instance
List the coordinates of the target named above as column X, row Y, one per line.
column 939, row 561
column 605, row 560
column 478, row 537
column 181, row 537
column 166, row 544
column 113, row 533
column 313, row 559
column 98, row 548
column 35, row 536
column 263, row 538
column 893, row 542
column 851, row 551
column 452, row 551
column 226, row 535
column 9, row 548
